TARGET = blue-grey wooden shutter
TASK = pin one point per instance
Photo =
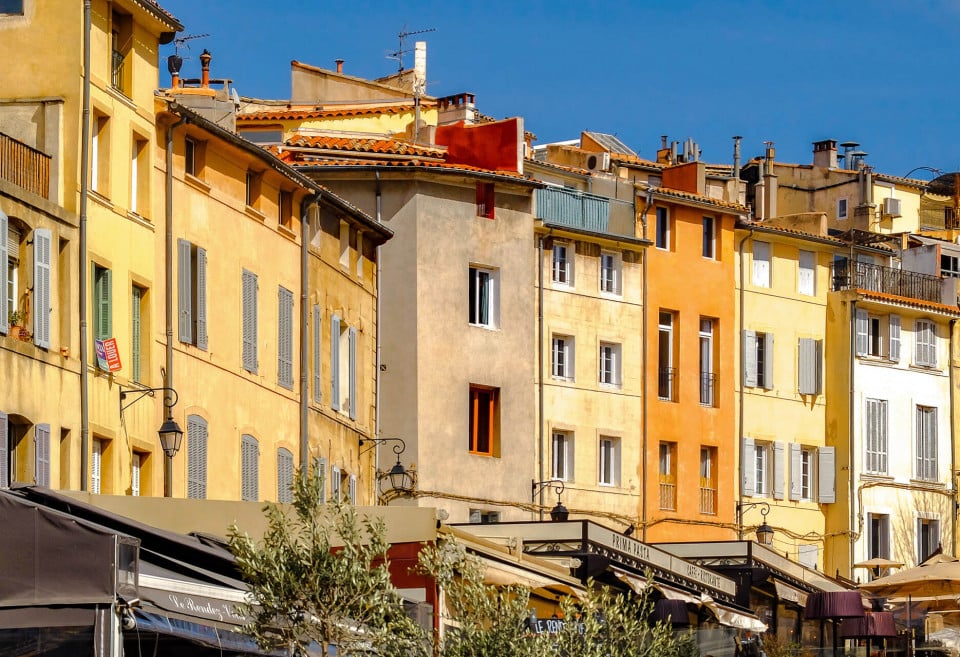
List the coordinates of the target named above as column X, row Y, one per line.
column 284, row 476
column 184, row 291
column 863, row 338
column 353, row 489
column 4, row 283
column 104, row 301
column 352, row 336
column 335, row 362
column 201, row 298
column 41, row 439
column 249, row 468
column 321, row 466
column 196, row 457
column 826, row 471
column 810, row 366
column 796, row 474
column 285, row 338
column 317, row 333
column 895, row 338
column 4, row 450
column 768, row 361
column 747, row 466
column 779, row 470
column 249, row 321
column 136, row 297
column 41, row 287
column 750, row 359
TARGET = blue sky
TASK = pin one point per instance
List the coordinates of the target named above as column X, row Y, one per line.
column 879, row 73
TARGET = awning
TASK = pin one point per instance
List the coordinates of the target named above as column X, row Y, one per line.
column 735, row 618
column 640, row 584
column 788, row 593
column 208, row 635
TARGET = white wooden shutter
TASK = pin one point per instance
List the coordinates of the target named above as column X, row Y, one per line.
column 335, row 362
column 249, row 469
column 895, row 338
column 317, row 333
column 335, row 483
column 353, row 489
column 96, row 449
column 4, row 451
column 352, row 339
column 249, row 321
column 796, row 474
column 41, row 439
column 201, row 298
column 863, row 339
column 196, row 457
column 285, row 338
column 779, row 470
column 4, row 283
column 750, row 359
column 826, row 471
column 768, row 361
column 135, row 474
column 41, row 287
column 747, row 464
column 184, row 292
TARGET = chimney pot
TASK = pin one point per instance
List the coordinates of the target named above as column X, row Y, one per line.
column 205, row 58
column 339, row 63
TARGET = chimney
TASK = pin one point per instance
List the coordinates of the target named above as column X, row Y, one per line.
column 174, row 63
column 663, row 141
column 339, row 63
column 205, row 58
column 848, row 146
column 736, row 157
column 825, row 154
column 770, row 183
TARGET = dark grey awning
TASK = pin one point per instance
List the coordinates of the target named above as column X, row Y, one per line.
column 43, row 616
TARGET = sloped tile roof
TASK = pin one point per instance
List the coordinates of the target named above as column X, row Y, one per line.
column 620, row 158
column 791, row 232
column 932, row 306
column 411, row 163
column 297, row 114
column 364, row 145
column 678, row 194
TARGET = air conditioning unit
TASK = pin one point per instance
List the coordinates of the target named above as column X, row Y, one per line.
column 597, row 161
column 891, row 207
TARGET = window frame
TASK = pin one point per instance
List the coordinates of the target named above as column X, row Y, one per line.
column 485, row 421
column 708, row 388
column 483, row 310
column 926, row 460
column 927, row 542
column 611, row 273
column 761, row 464
column 878, row 535
column 486, row 202
column 876, row 429
column 608, row 473
column 925, row 343
column 563, row 357
column 610, row 356
column 807, row 284
column 666, row 386
column 562, row 455
column 843, row 208
column 708, row 243
column 562, row 268
column 21, row 4
column 662, row 237
column 762, row 267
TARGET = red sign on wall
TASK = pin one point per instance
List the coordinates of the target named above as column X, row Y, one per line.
column 108, row 358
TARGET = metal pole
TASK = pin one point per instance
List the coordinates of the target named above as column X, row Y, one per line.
column 84, row 189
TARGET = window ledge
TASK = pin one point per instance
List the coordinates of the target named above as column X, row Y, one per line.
column 486, row 327
column 286, row 232
column 195, row 182
column 100, row 198
column 255, row 213
column 121, row 96
column 925, row 483
column 875, row 476
column 930, row 369
column 140, row 219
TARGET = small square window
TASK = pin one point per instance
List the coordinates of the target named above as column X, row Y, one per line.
column 610, row 363
column 841, row 208
column 562, row 264
column 484, row 421
column 611, row 266
column 562, row 454
column 485, row 200
column 562, row 361
column 483, row 297
column 11, row 7
column 609, row 466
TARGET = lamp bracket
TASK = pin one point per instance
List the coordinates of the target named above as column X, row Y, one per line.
column 168, row 401
column 538, row 486
column 397, row 449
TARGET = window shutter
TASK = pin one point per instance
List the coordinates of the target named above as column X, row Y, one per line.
column 41, row 438
column 335, row 483
column 747, row 464
column 136, row 296
column 335, row 363
column 4, row 283
column 750, row 359
column 285, row 338
column 352, row 336
column 4, row 442
column 284, row 476
column 249, row 321
column 202, row 298
column 249, row 469
column 41, row 287
column 768, row 361
column 321, row 465
column 196, row 457
column 811, row 368
column 184, row 292
column 105, row 301
column 827, row 476
column 353, row 489
column 317, row 332
column 796, row 488
column 895, row 338
column 779, row 470
column 863, row 341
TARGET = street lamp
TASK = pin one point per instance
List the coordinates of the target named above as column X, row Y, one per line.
column 170, row 433
column 559, row 512
column 764, row 531
column 402, row 481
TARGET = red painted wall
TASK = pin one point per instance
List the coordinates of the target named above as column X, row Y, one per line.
column 486, row 145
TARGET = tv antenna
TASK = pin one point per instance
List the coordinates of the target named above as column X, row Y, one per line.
column 182, row 41
column 402, row 37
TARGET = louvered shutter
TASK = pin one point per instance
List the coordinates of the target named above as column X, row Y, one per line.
column 796, row 474
column 352, row 336
column 863, row 338
column 41, row 287
column 184, row 291
column 335, row 363
column 135, row 475
column 41, row 438
column 768, row 361
column 747, row 465
column 96, row 450
column 105, row 304
column 321, row 466
column 4, row 283
column 895, row 338
column 826, row 471
column 249, row 321
column 353, row 489
column 136, row 344
column 750, row 359
column 285, row 338
column 196, row 457
column 249, row 468
column 317, row 332
column 201, row 298
column 4, row 449
column 284, row 476
column 810, row 366
column 779, row 470
column 335, row 483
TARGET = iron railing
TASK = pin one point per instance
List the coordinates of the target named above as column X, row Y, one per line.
column 708, row 386
column 116, row 71
column 666, row 382
column 24, row 166
column 668, row 496
column 708, row 500
column 571, row 208
column 849, row 274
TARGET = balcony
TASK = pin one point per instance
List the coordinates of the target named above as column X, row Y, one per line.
column 666, row 383
column 568, row 207
column 851, row 275
column 708, row 383
column 24, row 166
column 708, row 500
column 668, row 496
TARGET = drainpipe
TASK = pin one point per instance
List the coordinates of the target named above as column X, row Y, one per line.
column 308, row 200
column 953, row 439
column 851, row 492
column 378, row 347
column 743, row 355
column 168, row 292
column 648, row 201
column 540, row 392
column 84, row 190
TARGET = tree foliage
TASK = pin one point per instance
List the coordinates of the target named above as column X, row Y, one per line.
column 320, row 576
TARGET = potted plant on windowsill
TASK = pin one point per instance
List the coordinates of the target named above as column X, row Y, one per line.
column 17, row 328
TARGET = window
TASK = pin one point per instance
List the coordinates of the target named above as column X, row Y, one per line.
column 138, row 305
column 102, row 303
column 708, row 480
column 284, row 476
column 709, row 238
column 135, row 461
column 484, row 420
column 663, row 229
column 9, row 269
column 878, row 336
column 343, row 371
column 841, row 208
column 483, row 297
column 335, row 483
column 758, row 360
column 344, row 245
column 925, row 351
column 285, row 209
column 928, row 538
column 609, row 474
column 192, row 157
column 761, row 469
column 100, row 155
column 761, row 264
column 285, row 338
column 480, row 517
column 806, row 473
column 11, row 7
column 707, row 377
column 668, row 476
column 192, row 293
column 122, row 41
column 926, row 443
column 139, row 178
column 807, row 280
column 320, row 467
column 666, row 372
column 562, row 453
column 196, row 457
column 249, row 315
column 610, row 271
column 562, row 264
column 610, row 363
column 875, row 427
column 485, row 200
column 249, row 468
column 562, row 363
column 254, row 180
column 96, row 465
column 950, row 266
column 878, row 533
column 810, row 370
column 317, row 345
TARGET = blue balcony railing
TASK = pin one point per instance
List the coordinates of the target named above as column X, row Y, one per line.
column 568, row 207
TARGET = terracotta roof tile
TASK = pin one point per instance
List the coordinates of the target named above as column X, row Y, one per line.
column 621, row 158
column 300, row 113
column 365, row 145
column 908, row 301
column 791, row 231
column 676, row 193
column 412, row 163
column 909, row 182
column 560, row 167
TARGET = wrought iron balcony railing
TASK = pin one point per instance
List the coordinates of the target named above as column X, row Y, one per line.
column 668, row 496
column 708, row 386
column 852, row 275
column 666, row 383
